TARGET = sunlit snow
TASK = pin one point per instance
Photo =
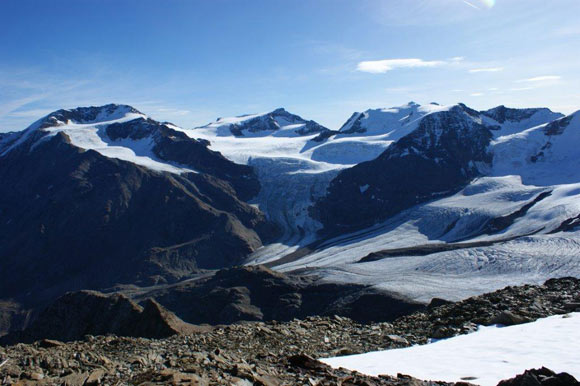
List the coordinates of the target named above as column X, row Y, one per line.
column 484, row 357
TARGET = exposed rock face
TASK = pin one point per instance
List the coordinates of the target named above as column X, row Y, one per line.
column 77, row 314
column 442, row 155
column 75, row 219
column 542, row 376
column 260, row 294
column 558, row 126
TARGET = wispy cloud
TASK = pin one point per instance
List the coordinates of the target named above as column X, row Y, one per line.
column 476, row 94
column 471, row 5
column 488, row 69
column 543, row 78
column 382, row 66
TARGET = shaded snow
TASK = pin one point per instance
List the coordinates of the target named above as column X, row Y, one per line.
column 484, row 357
column 540, row 159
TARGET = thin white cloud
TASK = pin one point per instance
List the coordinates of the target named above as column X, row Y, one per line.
column 471, row 5
column 488, row 69
column 540, row 78
column 457, row 59
column 476, row 94
column 382, row 66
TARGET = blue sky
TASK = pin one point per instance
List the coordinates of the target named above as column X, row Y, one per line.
column 190, row 62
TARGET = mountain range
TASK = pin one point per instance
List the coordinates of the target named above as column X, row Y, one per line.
column 419, row 201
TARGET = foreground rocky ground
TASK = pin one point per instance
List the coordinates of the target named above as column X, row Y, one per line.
column 274, row 353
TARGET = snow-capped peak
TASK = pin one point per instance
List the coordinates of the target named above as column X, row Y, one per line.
column 279, row 123
column 115, row 131
column 87, row 115
column 394, row 122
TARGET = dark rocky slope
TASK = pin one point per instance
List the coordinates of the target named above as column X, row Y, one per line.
column 230, row 296
column 77, row 314
column 440, row 157
column 74, row 219
column 275, row 353
column 259, row 294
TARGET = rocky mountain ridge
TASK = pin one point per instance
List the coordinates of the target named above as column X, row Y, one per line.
column 276, row 353
column 77, row 215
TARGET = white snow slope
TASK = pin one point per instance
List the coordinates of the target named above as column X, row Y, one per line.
column 484, row 357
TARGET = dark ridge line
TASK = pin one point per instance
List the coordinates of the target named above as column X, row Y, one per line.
column 429, row 249
column 499, row 224
column 568, row 225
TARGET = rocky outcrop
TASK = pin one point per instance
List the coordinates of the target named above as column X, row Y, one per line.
column 256, row 293
column 77, row 314
column 444, row 153
column 508, row 306
column 541, row 377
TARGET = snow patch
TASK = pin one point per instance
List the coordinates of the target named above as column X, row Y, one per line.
column 484, row 357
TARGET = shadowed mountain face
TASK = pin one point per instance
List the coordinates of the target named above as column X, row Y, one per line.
column 74, row 218
column 260, row 294
column 77, row 314
column 442, row 155
column 230, row 295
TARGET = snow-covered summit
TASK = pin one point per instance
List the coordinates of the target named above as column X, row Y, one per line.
column 395, row 122
column 115, row 131
column 504, row 120
column 278, row 123
column 86, row 115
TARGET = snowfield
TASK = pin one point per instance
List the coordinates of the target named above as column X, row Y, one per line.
column 484, row 357
column 295, row 170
